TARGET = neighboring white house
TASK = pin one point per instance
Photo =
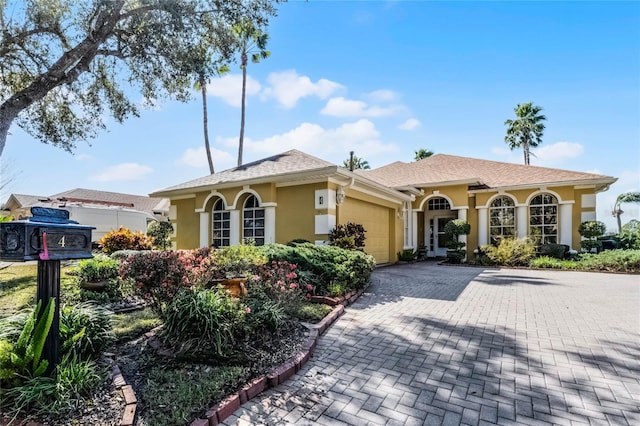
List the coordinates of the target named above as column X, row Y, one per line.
column 106, row 211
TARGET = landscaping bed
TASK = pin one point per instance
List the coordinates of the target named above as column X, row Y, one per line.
column 210, row 344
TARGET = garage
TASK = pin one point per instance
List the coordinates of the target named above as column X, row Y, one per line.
column 375, row 220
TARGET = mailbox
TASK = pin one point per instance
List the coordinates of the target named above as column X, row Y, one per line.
column 48, row 234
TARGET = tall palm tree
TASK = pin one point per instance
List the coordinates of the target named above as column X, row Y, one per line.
column 627, row 197
column 252, row 41
column 358, row 163
column 201, row 84
column 526, row 130
column 422, row 154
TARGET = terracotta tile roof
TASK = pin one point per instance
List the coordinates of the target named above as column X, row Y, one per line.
column 442, row 169
column 293, row 161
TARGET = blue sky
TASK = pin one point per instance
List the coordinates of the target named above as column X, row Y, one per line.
column 384, row 79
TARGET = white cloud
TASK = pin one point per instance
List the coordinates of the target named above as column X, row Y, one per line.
column 329, row 144
column 197, row 157
column 229, row 88
column 382, row 95
column 410, row 124
column 287, row 87
column 557, row 153
column 341, row 107
column 122, row 172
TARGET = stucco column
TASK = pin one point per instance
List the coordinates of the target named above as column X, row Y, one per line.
column 462, row 215
column 483, row 225
column 521, row 221
column 414, row 229
column 234, row 225
column 204, row 229
column 566, row 224
column 269, row 225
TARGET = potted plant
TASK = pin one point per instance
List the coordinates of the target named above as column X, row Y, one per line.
column 455, row 248
column 94, row 274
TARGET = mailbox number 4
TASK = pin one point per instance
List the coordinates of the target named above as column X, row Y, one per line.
column 61, row 242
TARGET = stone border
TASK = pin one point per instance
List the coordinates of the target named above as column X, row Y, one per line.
column 225, row 408
column 130, row 400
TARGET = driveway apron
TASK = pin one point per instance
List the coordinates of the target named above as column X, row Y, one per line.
column 434, row 344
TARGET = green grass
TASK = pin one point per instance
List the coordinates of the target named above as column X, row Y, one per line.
column 311, row 312
column 626, row 261
column 133, row 324
column 18, row 284
column 175, row 395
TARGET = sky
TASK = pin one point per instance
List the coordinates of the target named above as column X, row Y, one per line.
column 385, row 78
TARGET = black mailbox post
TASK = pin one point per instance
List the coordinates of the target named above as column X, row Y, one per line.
column 48, row 237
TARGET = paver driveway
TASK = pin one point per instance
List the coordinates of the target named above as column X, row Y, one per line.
column 431, row 344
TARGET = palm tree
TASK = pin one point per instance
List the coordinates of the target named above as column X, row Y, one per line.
column 252, row 42
column 525, row 131
column 627, row 197
column 358, row 163
column 422, row 154
column 201, row 84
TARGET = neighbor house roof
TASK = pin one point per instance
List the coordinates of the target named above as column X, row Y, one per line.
column 90, row 196
column 442, row 169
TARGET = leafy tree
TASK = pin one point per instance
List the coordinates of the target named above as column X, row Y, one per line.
column 591, row 230
column 422, row 153
column 252, row 42
column 358, row 163
column 62, row 62
column 627, row 197
column 161, row 233
column 526, row 130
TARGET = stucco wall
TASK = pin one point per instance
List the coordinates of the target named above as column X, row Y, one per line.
column 187, row 224
column 296, row 212
column 376, row 221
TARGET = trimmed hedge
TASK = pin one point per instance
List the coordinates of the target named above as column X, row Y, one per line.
column 350, row 269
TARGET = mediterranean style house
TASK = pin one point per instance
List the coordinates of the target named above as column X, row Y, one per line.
column 294, row 195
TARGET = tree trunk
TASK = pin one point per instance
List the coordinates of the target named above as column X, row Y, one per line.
column 618, row 213
column 205, row 123
column 244, row 91
column 5, row 123
column 525, row 147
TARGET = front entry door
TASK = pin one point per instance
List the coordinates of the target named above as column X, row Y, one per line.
column 440, row 240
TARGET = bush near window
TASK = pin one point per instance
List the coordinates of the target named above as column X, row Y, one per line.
column 511, row 252
column 348, row 236
column 125, row 239
column 591, row 230
column 557, row 251
column 331, row 265
column 629, row 238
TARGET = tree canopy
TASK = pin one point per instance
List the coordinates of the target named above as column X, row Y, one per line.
column 627, row 197
column 358, row 163
column 65, row 64
column 526, row 130
column 422, row 154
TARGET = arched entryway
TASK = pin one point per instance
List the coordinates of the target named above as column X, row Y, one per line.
column 437, row 213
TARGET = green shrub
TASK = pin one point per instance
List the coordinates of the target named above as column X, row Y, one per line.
column 297, row 241
column 407, row 255
column 550, row 262
column 280, row 283
column 161, row 234
column 591, row 230
column 557, row 251
column 241, row 260
column 349, row 236
column 311, row 312
column 100, row 268
column 611, row 261
column 64, row 392
column 453, row 229
column 629, row 238
column 329, row 264
column 125, row 239
column 204, row 322
column 85, row 330
column 511, row 252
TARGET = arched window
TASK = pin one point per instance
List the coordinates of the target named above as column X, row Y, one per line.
column 438, row 203
column 502, row 219
column 253, row 220
column 543, row 218
column 221, row 225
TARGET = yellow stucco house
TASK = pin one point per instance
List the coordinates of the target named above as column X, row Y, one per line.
column 294, row 195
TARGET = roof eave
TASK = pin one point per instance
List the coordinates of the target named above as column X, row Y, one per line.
column 601, row 184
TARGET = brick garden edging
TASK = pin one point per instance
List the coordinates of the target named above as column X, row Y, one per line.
column 225, row 408
column 130, row 400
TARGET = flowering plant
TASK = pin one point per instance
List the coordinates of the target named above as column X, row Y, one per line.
column 280, row 281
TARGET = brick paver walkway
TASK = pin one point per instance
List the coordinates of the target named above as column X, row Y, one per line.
column 431, row 344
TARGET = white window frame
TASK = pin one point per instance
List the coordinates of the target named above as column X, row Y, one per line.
column 220, row 215
column 548, row 213
column 501, row 212
column 253, row 221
